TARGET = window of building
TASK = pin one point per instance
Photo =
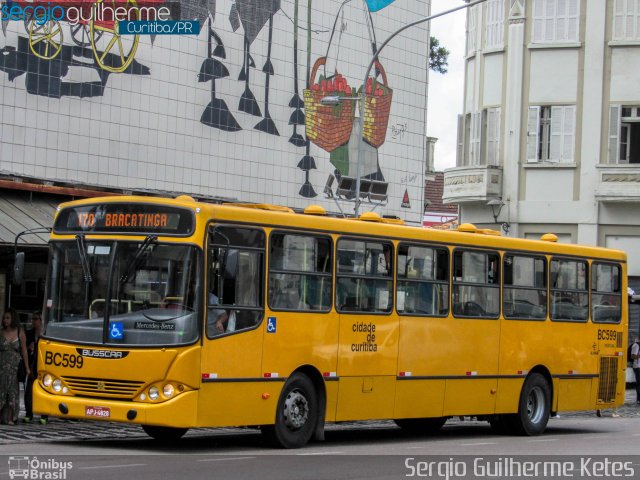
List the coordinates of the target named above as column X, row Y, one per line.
column 479, row 137
column 494, row 28
column 626, row 20
column 299, row 272
column 423, row 280
column 569, row 294
column 476, row 284
column 525, row 287
column 555, row 21
column 472, row 34
column 365, row 276
column 606, row 295
column 551, row 134
column 624, row 134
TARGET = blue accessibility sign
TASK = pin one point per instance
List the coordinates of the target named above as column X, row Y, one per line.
column 116, row 331
column 271, row 324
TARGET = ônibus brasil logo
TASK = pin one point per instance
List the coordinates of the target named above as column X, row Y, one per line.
column 34, row 468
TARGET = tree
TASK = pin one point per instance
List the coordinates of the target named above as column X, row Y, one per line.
column 438, row 56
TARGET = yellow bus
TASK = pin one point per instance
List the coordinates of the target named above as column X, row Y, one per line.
column 177, row 314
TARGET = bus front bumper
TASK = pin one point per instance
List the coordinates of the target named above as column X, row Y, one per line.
column 180, row 411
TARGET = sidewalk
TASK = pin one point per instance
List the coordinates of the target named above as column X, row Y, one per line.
column 59, row 429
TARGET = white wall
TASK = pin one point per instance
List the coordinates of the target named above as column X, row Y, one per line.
column 554, row 76
column 492, row 88
column 631, row 245
column 625, row 81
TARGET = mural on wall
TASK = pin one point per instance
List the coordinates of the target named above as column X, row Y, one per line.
column 45, row 61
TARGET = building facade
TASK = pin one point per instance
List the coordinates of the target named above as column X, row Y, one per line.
column 233, row 113
column 549, row 139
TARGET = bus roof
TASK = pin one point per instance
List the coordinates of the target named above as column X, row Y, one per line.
column 315, row 218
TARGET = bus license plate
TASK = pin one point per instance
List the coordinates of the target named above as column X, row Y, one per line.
column 101, row 412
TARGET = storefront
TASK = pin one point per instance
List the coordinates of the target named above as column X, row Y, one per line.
column 23, row 211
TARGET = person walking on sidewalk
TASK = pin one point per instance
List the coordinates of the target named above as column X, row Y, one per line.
column 33, row 337
column 635, row 355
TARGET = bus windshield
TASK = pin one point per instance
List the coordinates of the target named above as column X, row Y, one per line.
column 149, row 288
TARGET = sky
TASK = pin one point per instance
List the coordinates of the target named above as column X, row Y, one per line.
column 446, row 91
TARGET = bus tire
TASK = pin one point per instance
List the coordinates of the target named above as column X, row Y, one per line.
column 421, row 425
column 164, row 434
column 296, row 415
column 534, row 407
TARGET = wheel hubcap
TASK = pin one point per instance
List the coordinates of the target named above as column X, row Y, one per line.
column 296, row 410
column 535, row 405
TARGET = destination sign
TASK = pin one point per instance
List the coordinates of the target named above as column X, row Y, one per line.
column 125, row 218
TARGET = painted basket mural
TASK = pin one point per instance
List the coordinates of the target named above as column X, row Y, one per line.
column 377, row 106
column 328, row 126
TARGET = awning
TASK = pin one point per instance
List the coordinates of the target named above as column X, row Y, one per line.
column 20, row 211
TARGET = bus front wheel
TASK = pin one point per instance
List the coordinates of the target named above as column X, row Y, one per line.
column 296, row 416
column 164, row 434
column 534, row 407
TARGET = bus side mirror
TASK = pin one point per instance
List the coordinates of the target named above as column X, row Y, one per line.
column 18, row 268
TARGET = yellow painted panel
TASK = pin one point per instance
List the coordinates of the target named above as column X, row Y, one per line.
column 238, row 403
column 419, row 398
column 238, row 355
column 575, row 394
column 368, row 345
column 332, row 400
column 470, row 396
column 300, row 339
column 355, row 404
column 508, row 394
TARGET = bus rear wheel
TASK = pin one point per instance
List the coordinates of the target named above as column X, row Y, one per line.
column 421, row 425
column 534, row 407
column 296, row 416
column 164, row 434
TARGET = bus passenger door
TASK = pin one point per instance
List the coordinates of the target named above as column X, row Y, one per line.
column 232, row 389
column 368, row 343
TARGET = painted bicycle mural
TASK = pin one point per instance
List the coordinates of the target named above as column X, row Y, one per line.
column 92, row 24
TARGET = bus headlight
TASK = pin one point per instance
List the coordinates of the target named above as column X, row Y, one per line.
column 57, row 385
column 47, row 380
column 168, row 390
column 153, row 393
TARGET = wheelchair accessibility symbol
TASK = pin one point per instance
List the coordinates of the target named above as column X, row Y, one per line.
column 116, row 331
column 271, row 325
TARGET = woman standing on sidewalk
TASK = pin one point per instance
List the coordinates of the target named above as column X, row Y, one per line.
column 12, row 348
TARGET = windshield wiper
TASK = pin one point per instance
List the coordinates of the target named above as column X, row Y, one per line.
column 133, row 266
column 82, row 250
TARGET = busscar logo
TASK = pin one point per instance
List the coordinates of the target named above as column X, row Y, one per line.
column 107, row 354
column 27, row 467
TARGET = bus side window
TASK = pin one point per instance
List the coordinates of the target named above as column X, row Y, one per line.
column 235, row 279
column 476, row 286
column 423, row 280
column 569, row 293
column 365, row 283
column 606, row 295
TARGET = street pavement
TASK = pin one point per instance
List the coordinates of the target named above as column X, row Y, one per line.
column 59, row 429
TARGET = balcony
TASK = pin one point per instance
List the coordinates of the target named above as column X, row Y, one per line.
column 618, row 183
column 477, row 183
